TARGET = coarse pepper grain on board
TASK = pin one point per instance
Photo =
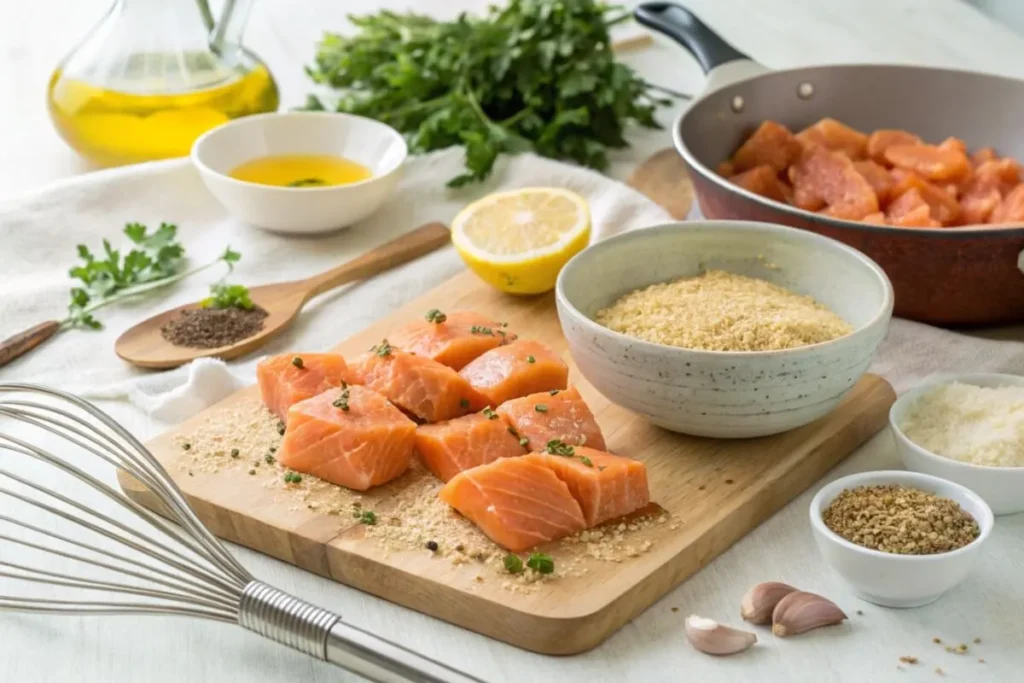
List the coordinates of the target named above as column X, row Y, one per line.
column 720, row 311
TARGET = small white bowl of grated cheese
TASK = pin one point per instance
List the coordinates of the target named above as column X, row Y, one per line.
column 968, row 429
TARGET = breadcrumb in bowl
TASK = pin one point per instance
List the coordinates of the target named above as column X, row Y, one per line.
column 793, row 327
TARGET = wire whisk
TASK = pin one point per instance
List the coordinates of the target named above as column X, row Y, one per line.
column 85, row 548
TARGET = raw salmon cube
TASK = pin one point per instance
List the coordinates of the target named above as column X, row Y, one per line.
column 978, row 203
column 835, row 136
column 448, row 448
column 418, row 385
column 1003, row 174
column 1011, row 209
column 605, row 486
column 517, row 369
column 761, row 180
column 772, row 144
column 366, row 445
column 934, row 163
column 540, row 418
column 878, row 178
column 831, row 178
column 877, row 218
column 911, row 210
column 517, row 502
column 882, row 139
column 982, row 155
column 726, row 169
column 292, row 377
column 944, row 207
column 452, row 339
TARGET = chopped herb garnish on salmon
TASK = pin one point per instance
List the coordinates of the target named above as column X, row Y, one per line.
column 464, row 402
column 541, row 408
column 479, row 329
column 490, row 414
column 342, row 400
column 523, row 442
column 559, row 447
column 435, row 316
column 541, row 562
column 531, row 359
column 297, row 362
column 553, row 392
column 382, row 349
column 601, row 468
column 513, row 564
column 368, row 517
column 586, row 461
column 513, row 432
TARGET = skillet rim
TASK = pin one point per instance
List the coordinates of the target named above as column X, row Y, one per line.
column 965, row 232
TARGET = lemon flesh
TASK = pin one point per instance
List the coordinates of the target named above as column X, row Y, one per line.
column 519, row 240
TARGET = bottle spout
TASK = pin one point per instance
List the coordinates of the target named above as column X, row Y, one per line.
column 226, row 35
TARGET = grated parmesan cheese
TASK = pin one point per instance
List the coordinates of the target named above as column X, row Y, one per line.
column 976, row 425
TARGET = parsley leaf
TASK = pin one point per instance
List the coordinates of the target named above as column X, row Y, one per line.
column 533, row 75
column 541, row 562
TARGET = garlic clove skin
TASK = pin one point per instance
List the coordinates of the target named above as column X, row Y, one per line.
column 760, row 601
column 800, row 611
column 712, row 638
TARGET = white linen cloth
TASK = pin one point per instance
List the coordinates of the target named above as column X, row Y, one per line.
column 38, row 234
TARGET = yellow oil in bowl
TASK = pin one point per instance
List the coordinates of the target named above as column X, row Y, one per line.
column 112, row 126
column 301, row 170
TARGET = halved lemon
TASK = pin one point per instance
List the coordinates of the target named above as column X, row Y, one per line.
column 518, row 240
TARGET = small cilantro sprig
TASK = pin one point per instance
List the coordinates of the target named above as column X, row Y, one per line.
column 224, row 295
column 156, row 259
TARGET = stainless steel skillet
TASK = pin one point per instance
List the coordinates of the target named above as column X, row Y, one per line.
column 945, row 276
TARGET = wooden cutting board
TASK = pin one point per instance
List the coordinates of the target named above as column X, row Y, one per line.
column 712, row 491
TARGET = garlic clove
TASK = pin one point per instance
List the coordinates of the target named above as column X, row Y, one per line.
column 712, row 638
column 800, row 611
column 760, row 601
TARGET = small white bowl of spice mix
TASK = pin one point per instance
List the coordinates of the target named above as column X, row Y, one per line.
column 968, row 429
column 727, row 329
column 900, row 539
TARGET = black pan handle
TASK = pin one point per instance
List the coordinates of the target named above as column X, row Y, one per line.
column 679, row 24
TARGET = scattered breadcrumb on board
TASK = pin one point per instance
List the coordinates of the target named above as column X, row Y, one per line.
column 409, row 514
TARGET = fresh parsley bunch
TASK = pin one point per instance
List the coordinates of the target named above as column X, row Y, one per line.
column 534, row 75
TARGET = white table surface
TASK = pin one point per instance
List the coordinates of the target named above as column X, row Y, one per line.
column 34, row 35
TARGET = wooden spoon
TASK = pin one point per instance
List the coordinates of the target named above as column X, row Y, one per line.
column 662, row 177
column 143, row 344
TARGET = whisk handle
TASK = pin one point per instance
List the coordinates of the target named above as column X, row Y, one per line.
column 383, row 661
column 322, row 634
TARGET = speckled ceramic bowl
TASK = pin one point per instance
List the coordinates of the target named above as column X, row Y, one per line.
column 713, row 393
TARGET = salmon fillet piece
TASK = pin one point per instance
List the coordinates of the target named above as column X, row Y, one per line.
column 606, row 486
column 884, row 138
column 1011, row 209
column 835, row 136
column 540, row 418
column 931, row 161
column 878, row 178
column 418, row 385
column 517, row 502
column 284, row 381
column 448, row 448
column 772, row 144
column 825, row 178
column 452, row 339
column 761, row 180
column 369, row 444
column 517, row 369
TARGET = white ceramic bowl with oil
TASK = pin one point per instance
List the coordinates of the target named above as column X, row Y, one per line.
column 715, row 393
column 300, row 209
column 889, row 579
column 1001, row 487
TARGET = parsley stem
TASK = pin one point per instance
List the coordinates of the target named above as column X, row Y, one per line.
column 130, row 292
